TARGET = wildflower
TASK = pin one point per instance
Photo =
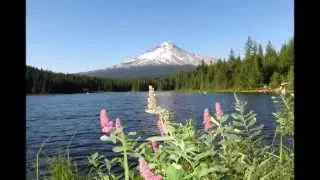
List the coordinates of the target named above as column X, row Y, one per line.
column 155, row 146
column 106, row 124
column 206, row 119
column 219, row 111
column 118, row 125
column 146, row 172
column 161, row 127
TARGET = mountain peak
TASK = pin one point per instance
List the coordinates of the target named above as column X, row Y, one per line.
column 167, row 45
column 166, row 53
column 164, row 59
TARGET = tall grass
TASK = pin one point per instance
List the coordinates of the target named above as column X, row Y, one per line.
column 62, row 168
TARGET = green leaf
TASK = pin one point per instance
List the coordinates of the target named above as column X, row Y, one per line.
column 250, row 115
column 236, row 97
column 204, row 154
column 108, row 138
column 177, row 166
column 172, row 173
column 256, row 128
column 95, row 155
column 141, row 146
column 215, row 121
column 224, row 118
column 114, row 160
column 190, row 149
column 264, row 162
column 117, row 149
column 232, row 137
column 113, row 138
column 105, row 138
column 256, row 133
column 266, row 176
column 159, row 138
column 133, row 154
column 189, row 176
column 206, row 171
column 236, row 116
column 237, row 124
column 174, row 157
column 132, row 133
column 252, row 122
column 107, row 163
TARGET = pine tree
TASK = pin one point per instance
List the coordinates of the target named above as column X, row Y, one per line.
column 231, row 55
column 291, row 78
column 275, row 80
column 259, row 65
column 248, row 48
column 269, row 63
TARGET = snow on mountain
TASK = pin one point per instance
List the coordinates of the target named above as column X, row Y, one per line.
column 163, row 60
column 165, row 53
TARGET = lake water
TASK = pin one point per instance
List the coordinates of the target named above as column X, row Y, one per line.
column 73, row 120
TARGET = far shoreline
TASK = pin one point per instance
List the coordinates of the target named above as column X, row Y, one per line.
column 259, row 91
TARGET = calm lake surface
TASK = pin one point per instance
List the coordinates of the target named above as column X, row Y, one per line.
column 73, row 120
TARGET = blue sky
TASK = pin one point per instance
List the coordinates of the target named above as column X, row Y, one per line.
column 79, row 35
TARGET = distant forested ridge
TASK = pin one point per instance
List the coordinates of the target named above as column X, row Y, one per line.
column 40, row 81
column 141, row 72
column 259, row 66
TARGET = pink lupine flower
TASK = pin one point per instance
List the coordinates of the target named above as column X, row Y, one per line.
column 206, row 119
column 106, row 124
column 118, row 125
column 157, row 177
column 146, row 172
column 219, row 111
column 155, row 146
column 161, row 127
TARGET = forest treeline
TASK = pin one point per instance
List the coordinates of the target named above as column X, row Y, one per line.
column 40, row 81
column 259, row 67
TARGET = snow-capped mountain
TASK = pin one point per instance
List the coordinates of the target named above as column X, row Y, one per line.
column 165, row 53
column 164, row 59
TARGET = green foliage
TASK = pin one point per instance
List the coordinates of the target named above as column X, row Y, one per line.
column 285, row 117
column 62, row 169
column 98, row 165
column 244, row 123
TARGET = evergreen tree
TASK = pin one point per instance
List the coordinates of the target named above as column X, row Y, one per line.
column 231, row 55
column 291, row 78
column 275, row 80
column 269, row 63
column 259, row 65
